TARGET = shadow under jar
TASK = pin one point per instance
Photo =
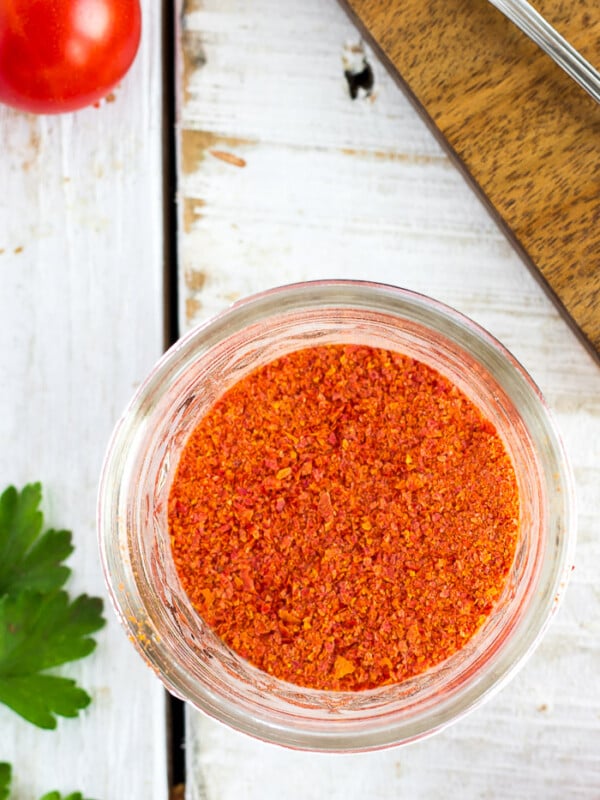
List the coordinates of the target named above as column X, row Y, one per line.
column 144, row 452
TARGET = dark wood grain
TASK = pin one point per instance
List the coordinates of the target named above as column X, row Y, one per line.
column 526, row 134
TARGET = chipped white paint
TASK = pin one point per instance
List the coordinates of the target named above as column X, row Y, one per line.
column 335, row 188
column 80, row 325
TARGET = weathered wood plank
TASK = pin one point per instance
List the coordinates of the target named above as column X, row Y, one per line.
column 80, row 324
column 316, row 185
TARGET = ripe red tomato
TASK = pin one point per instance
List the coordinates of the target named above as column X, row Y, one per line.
column 60, row 55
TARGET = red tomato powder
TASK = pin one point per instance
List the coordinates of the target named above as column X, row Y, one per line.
column 344, row 517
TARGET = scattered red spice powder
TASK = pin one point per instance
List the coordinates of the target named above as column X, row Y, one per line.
column 344, row 517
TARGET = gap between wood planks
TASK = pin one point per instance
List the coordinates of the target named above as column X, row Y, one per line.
column 175, row 708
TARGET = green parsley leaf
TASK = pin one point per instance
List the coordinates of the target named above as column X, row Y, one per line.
column 38, row 632
column 5, row 780
column 40, row 627
column 30, row 559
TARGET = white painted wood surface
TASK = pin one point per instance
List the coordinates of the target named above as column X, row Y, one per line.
column 80, row 325
column 283, row 177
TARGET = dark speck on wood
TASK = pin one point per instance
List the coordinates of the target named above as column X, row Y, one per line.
column 364, row 80
column 357, row 70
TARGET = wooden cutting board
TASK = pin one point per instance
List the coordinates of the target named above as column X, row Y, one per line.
column 524, row 132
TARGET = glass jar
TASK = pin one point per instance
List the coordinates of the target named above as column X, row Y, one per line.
column 188, row 657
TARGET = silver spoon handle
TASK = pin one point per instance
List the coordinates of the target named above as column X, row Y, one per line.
column 525, row 17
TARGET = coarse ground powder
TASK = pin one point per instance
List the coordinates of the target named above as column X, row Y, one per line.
column 344, row 517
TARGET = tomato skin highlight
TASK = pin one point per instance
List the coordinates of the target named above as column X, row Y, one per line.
column 61, row 55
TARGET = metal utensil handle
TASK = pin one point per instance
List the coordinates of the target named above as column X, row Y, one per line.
column 525, row 17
